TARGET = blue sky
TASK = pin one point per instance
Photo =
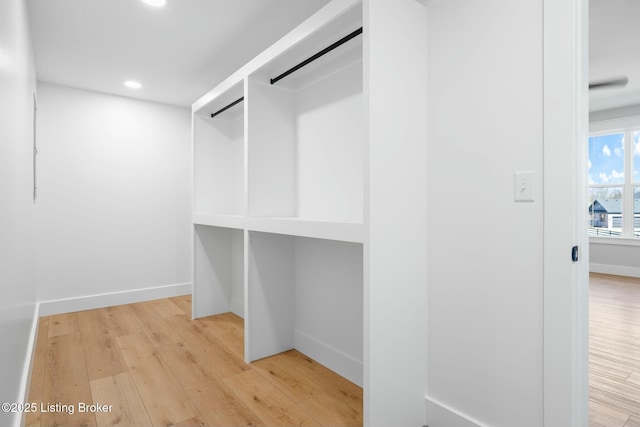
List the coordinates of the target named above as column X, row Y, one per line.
column 606, row 158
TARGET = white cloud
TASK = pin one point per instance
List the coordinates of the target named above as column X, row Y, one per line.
column 603, row 177
column 637, row 149
column 616, row 174
column 589, row 164
column 606, row 151
column 618, row 151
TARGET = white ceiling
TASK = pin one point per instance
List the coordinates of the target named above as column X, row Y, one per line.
column 178, row 53
column 614, row 51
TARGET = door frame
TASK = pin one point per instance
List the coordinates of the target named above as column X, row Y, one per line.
column 565, row 123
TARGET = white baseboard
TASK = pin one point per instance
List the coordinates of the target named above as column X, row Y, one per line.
column 618, row 270
column 334, row 359
column 237, row 307
column 89, row 302
column 440, row 415
column 23, row 393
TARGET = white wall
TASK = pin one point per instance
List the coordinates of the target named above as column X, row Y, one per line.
column 17, row 273
column 113, row 209
column 395, row 293
column 610, row 257
column 485, row 309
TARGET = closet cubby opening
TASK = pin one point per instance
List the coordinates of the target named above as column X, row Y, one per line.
column 218, row 271
column 307, row 294
column 306, row 139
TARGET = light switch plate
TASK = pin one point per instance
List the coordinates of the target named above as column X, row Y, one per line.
column 523, row 186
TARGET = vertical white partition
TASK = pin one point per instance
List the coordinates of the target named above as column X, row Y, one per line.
column 271, row 150
column 329, row 133
column 329, row 304
column 271, row 298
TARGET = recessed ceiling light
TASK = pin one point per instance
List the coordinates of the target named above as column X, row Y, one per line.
column 156, row 3
column 132, row 84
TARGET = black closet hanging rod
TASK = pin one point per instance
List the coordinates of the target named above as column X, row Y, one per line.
column 223, row 109
column 318, row 55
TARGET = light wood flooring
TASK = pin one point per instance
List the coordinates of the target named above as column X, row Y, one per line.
column 156, row 367
column 614, row 351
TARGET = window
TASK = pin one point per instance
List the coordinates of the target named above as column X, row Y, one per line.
column 614, row 193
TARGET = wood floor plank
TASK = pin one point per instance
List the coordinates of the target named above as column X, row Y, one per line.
column 101, row 351
column 232, row 319
column 634, row 378
column 219, row 405
column 214, row 353
column 63, row 324
column 331, row 411
column 266, row 401
column 165, row 307
column 326, row 378
column 633, row 422
column 122, row 321
column 136, row 348
column 290, row 381
column 160, row 392
column 66, row 382
column 607, row 416
column 121, row 393
column 32, row 419
column 192, row 422
column 226, row 328
column 220, row 324
column 154, row 325
column 184, row 302
column 613, row 400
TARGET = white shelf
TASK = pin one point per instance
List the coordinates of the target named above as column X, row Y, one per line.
column 227, row 221
column 341, row 231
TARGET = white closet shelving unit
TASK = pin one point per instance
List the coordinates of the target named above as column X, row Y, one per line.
column 278, row 195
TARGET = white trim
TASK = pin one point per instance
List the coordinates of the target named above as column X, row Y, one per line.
column 336, row 360
column 226, row 221
column 295, row 226
column 614, row 125
column 620, row 241
column 439, row 414
column 617, row 270
column 89, row 302
column 565, row 290
column 23, row 392
column 615, row 185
